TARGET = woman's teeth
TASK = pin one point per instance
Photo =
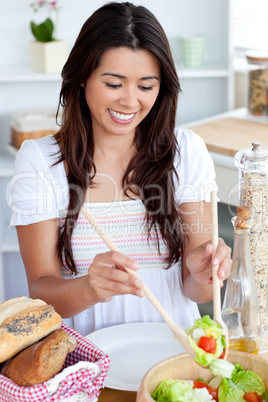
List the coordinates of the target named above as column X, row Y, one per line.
column 121, row 116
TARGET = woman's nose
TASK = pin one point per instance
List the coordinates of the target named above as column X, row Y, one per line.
column 129, row 97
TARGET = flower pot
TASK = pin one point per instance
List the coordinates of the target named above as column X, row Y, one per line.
column 48, row 57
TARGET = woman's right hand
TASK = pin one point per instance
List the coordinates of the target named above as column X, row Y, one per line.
column 107, row 277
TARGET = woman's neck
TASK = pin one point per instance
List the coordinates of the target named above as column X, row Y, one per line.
column 111, row 158
column 113, row 148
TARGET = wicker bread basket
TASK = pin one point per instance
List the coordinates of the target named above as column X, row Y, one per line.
column 83, row 384
column 17, row 137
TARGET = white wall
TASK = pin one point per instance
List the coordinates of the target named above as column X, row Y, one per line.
column 15, row 17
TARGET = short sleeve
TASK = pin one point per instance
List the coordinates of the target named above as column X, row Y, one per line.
column 31, row 192
column 195, row 168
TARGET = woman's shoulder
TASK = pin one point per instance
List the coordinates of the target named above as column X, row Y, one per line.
column 47, row 146
column 190, row 145
column 187, row 137
column 43, row 151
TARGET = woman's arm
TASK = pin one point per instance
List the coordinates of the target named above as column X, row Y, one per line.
column 197, row 255
column 106, row 276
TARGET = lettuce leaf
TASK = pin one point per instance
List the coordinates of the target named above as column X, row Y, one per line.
column 242, row 381
column 180, row 391
column 247, row 380
column 229, row 393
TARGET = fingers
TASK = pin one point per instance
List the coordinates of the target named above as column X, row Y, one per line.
column 108, row 277
column 222, row 258
column 199, row 262
column 121, row 260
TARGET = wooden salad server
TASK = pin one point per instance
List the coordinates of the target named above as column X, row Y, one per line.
column 217, row 317
column 178, row 332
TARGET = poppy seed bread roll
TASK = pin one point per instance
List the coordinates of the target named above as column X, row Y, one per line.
column 23, row 325
column 16, row 305
column 40, row 361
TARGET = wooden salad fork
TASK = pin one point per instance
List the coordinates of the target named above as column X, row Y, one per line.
column 217, row 317
column 178, row 332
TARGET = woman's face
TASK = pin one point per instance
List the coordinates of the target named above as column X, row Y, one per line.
column 122, row 90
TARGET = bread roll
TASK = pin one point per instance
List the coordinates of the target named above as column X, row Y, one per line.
column 41, row 361
column 16, row 305
column 23, row 324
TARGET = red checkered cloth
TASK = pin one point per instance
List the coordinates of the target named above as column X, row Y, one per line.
column 82, row 383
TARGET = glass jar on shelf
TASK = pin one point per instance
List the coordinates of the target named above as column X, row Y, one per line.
column 257, row 83
column 253, row 193
column 240, row 309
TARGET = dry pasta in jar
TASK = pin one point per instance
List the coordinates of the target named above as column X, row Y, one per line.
column 257, row 83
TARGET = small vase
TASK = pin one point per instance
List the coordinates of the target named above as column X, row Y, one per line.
column 48, row 57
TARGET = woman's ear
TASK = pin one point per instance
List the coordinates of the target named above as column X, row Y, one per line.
column 82, row 85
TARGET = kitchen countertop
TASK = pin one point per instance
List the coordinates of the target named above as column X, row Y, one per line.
column 229, row 135
column 224, row 135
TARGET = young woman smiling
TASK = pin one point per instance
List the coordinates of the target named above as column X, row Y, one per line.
column 147, row 184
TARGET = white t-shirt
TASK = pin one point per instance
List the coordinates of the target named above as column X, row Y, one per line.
column 39, row 191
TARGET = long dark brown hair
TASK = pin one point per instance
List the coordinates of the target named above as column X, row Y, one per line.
column 111, row 26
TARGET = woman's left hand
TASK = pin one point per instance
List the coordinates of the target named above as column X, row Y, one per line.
column 199, row 262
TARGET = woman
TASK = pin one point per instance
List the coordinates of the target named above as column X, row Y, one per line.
column 147, row 184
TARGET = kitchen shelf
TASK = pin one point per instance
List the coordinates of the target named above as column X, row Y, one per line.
column 23, row 73
column 208, row 69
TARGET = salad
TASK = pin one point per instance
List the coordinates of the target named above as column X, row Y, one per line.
column 207, row 338
column 244, row 385
column 231, row 384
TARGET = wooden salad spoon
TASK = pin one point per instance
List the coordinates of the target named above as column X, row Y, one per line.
column 217, row 317
column 178, row 332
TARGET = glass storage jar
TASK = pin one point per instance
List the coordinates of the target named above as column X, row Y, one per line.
column 253, row 193
column 257, row 83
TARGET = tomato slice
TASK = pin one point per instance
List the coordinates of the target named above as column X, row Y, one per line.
column 222, row 355
column 208, row 344
column 252, row 397
column 212, row 391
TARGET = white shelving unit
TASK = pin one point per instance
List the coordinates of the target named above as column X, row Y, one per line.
column 206, row 91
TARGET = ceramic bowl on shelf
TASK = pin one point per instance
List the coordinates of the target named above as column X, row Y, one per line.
column 183, row 367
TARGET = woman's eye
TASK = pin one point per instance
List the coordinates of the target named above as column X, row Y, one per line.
column 113, row 86
column 146, row 88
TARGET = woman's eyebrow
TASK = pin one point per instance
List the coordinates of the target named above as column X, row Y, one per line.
column 114, row 75
column 149, row 77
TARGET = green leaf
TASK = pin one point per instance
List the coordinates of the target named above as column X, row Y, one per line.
column 247, row 380
column 44, row 31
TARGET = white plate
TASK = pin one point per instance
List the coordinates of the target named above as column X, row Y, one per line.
column 133, row 350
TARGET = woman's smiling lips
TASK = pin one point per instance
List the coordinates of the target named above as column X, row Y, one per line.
column 121, row 117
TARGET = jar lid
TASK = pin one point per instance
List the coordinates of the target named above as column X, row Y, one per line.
column 253, row 159
column 257, row 56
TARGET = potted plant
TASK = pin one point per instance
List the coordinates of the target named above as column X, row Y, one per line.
column 47, row 54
